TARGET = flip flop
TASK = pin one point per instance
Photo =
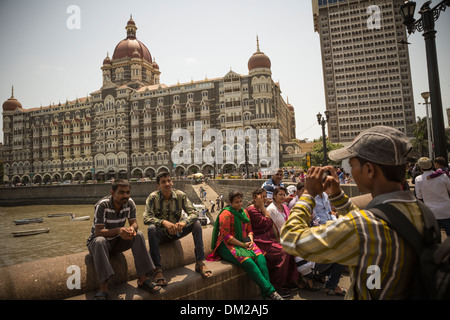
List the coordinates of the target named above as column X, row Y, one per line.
column 101, row 295
column 149, row 286
column 205, row 273
column 160, row 281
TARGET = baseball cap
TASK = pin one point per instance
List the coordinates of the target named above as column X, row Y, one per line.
column 425, row 163
column 380, row 144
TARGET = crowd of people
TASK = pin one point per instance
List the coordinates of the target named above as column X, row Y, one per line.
column 291, row 238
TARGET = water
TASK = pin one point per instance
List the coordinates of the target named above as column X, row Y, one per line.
column 65, row 236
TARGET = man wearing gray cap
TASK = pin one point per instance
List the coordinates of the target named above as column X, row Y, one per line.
column 382, row 265
column 434, row 193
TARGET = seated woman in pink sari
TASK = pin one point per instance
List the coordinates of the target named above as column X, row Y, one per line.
column 282, row 268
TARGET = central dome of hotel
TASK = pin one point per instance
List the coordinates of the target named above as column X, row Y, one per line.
column 128, row 46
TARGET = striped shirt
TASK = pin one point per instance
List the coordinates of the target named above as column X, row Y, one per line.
column 381, row 264
column 106, row 215
column 158, row 209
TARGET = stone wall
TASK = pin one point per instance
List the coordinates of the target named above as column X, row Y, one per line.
column 82, row 193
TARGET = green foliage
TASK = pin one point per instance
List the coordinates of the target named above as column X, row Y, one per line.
column 317, row 153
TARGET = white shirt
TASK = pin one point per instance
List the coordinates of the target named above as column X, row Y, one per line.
column 435, row 193
column 278, row 218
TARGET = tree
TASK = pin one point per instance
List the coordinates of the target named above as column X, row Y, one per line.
column 317, row 153
column 420, row 140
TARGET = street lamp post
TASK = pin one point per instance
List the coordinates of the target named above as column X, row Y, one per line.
column 322, row 122
column 426, row 96
column 426, row 23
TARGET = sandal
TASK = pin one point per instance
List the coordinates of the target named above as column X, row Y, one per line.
column 333, row 292
column 149, row 286
column 160, row 281
column 101, row 295
column 307, row 283
column 200, row 268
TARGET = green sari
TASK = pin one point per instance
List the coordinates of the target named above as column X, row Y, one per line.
column 239, row 218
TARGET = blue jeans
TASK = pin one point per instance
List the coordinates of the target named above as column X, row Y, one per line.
column 157, row 236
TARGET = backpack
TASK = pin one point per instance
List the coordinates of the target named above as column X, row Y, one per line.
column 432, row 279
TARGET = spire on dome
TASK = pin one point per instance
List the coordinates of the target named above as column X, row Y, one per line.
column 257, row 44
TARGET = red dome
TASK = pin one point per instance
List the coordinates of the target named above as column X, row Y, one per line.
column 259, row 59
column 126, row 48
column 11, row 104
column 107, row 60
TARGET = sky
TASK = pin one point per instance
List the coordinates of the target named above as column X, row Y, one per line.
column 51, row 54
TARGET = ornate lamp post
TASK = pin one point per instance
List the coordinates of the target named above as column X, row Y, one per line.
column 322, row 122
column 426, row 96
column 426, row 24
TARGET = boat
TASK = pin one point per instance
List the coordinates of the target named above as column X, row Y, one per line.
column 28, row 221
column 73, row 218
column 54, row 215
column 30, row 232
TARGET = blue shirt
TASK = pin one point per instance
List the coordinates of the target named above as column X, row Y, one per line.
column 322, row 210
column 270, row 187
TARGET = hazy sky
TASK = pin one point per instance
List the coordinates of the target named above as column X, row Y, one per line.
column 47, row 62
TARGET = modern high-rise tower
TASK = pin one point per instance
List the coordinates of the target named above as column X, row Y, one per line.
column 366, row 68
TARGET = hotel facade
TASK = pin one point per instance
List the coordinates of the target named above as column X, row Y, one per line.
column 125, row 128
column 366, row 67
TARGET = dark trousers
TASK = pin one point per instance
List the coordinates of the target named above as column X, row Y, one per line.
column 333, row 270
column 101, row 248
column 157, row 236
column 445, row 224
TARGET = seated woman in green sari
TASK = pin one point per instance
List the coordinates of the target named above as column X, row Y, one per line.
column 232, row 240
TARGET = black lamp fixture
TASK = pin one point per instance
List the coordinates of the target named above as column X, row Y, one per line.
column 426, row 24
column 407, row 10
column 322, row 122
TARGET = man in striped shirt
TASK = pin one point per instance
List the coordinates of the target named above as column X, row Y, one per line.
column 109, row 235
column 381, row 264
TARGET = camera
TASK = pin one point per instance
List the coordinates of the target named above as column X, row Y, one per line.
column 325, row 175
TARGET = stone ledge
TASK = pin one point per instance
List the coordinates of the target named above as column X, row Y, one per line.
column 227, row 283
column 47, row 279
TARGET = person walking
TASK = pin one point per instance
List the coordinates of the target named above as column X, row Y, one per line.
column 434, row 193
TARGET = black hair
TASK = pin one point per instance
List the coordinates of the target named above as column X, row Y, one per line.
column 257, row 192
column 120, row 182
column 391, row 173
column 278, row 189
column 235, row 194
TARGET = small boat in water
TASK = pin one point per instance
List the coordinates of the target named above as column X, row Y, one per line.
column 30, row 232
column 73, row 218
column 28, row 221
column 54, row 215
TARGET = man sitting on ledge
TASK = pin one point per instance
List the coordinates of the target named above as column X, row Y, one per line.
column 163, row 214
column 109, row 235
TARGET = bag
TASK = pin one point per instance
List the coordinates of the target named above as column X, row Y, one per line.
column 432, row 279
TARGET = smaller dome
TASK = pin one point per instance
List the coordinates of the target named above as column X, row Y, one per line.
column 11, row 104
column 131, row 22
column 107, row 60
column 259, row 59
column 155, row 65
